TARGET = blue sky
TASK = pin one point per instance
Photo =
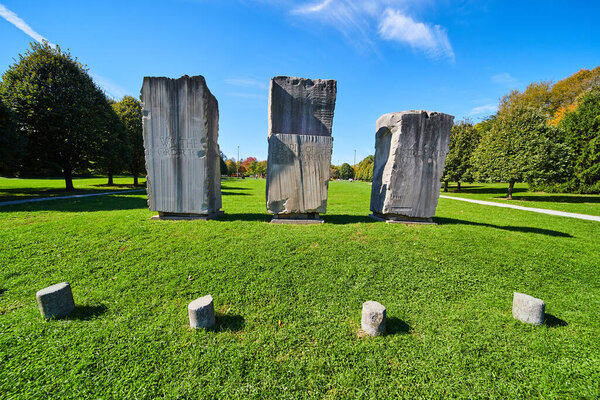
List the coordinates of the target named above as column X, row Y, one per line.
column 456, row 57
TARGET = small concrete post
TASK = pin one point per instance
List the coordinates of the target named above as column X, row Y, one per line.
column 202, row 312
column 55, row 301
column 373, row 318
column 528, row 309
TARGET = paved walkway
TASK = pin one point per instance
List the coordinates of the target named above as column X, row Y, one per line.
column 537, row 210
column 8, row 203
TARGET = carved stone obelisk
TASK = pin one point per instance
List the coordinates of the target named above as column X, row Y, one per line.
column 300, row 145
column 410, row 154
column 181, row 124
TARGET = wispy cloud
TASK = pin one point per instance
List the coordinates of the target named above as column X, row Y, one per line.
column 362, row 22
column 486, row 109
column 505, row 79
column 110, row 88
column 432, row 40
column 22, row 25
column 247, row 83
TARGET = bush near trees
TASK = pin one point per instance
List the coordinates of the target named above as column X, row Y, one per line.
column 463, row 142
column 59, row 109
column 129, row 110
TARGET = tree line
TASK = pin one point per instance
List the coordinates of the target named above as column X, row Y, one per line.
column 55, row 120
column 547, row 136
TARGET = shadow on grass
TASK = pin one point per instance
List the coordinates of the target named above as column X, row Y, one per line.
column 226, row 193
column 248, row 217
column 524, row 229
column 26, row 194
column 558, row 199
column 2, row 291
column 554, row 322
column 85, row 313
column 341, row 219
column 226, row 187
column 125, row 201
column 395, row 326
column 123, row 185
column 487, row 190
column 229, row 323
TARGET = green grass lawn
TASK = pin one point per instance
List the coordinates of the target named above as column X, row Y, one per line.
column 576, row 203
column 22, row 189
column 288, row 302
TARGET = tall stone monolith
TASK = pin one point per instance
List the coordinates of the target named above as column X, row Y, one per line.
column 410, row 154
column 300, row 144
column 181, row 124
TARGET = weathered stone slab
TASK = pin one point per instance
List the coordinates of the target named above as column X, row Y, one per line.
column 528, row 309
column 301, row 106
column 181, row 123
column 55, row 301
column 410, row 154
column 202, row 312
column 373, row 318
column 298, row 173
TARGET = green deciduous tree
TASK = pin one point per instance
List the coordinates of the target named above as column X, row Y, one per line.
column 521, row 146
column 112, row 152
column 11, row 146
column 364, row 171
column 463, row 142
column 129, row 110
column 59, row 108
column 346, row 171
column 582, row 133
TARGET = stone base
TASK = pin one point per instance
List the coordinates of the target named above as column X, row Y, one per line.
column 400, row 219
column 187, row 217
column 297, row 219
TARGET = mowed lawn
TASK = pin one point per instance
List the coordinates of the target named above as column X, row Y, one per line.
column 288, row 302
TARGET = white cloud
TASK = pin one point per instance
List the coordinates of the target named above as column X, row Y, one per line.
column 22, row 25
column 432, row 40
column 363, row 21
column 505, row 79
column 486, row 109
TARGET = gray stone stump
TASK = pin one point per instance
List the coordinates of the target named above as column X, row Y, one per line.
column 181, row 128
column 300, row 145
column 410, row 154
column 55, row 301
column 528, row 309
column 202, row 312
column 373, row 318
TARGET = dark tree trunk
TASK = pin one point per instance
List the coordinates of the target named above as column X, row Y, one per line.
column 445, row 186
column 511, row 186
column 110, row 180
column 135, row 180
column 458, row 185
column 68, row 180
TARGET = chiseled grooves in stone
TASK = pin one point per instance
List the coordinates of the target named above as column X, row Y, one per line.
column 410, row 154
column 181, row 123
column 300, row 144
column 298, row 173
column 301, row 106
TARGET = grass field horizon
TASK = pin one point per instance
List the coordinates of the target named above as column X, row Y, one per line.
column 288, row 299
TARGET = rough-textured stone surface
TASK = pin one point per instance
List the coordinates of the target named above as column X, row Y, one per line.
column 181, row 123
column 298, row 173
column 55, row 301
column 300, row 145
column 301, row 106
column 373, row 318
column 202, row 312
column 528, row 309
column 410, row 154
